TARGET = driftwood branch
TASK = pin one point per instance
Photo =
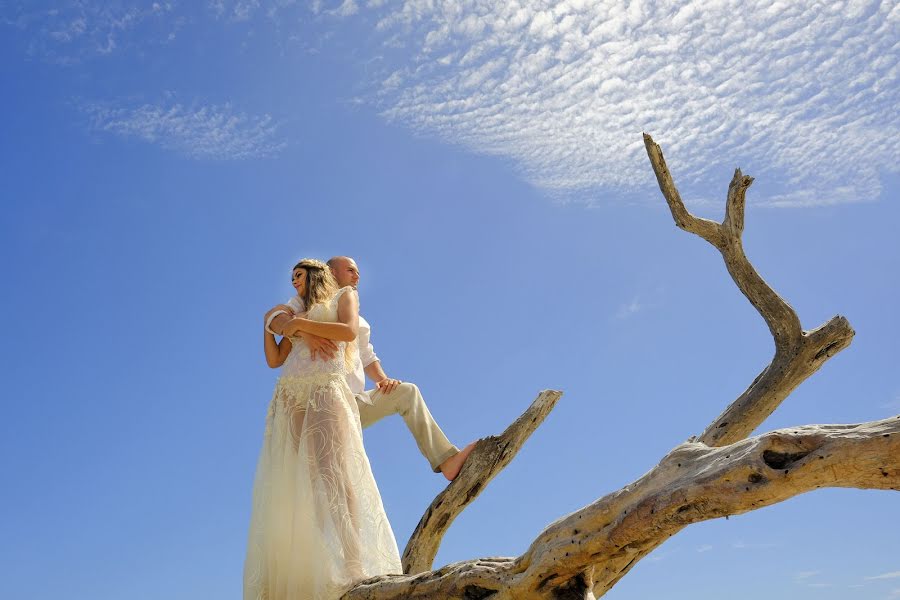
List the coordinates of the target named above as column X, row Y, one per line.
column 488, row 458
column 695, row 482
column 583, row 555
column 589, row 551
column 798, row 353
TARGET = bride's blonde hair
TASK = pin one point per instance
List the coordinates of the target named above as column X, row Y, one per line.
column 321, row 286
column 320, row 283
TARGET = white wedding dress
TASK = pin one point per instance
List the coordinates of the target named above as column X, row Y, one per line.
column 318, row 524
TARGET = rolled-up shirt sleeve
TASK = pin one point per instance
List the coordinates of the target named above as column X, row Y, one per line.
column 296, row 305
column 366, row 351
column 272, row 318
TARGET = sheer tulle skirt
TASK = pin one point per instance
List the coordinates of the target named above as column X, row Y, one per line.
column 318, row 523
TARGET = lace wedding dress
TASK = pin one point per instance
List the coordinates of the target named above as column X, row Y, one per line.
column 318, row 523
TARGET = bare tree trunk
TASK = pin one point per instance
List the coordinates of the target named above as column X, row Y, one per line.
column 716, row 474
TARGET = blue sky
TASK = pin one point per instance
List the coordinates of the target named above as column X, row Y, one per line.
column 165, row 164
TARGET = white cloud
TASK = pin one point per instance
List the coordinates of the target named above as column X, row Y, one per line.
column 704, row 548
column 200, row 132
column 801, row 95
column 806, row 93
column 804, row 577
column 68, row 32
column 347, row 8
column 646, row 298
column 244, row 10
column 628, row 309
column 891, row 575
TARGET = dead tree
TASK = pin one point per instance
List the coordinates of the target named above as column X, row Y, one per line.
column 719, row 473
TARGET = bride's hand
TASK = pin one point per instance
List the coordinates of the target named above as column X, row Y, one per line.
column 319, row 347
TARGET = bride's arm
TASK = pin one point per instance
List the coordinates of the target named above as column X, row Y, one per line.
column 345, row 330
column 276, row 353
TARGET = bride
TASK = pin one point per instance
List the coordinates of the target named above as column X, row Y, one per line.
column 318, row 524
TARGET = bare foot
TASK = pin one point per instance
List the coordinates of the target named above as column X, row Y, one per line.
column 451, row 467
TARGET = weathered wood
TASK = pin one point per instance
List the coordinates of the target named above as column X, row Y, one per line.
column 798, row 354
column 489, row 457
column 694, row 482
column 583, row 555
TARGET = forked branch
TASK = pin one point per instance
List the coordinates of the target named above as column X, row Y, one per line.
column 798, row 353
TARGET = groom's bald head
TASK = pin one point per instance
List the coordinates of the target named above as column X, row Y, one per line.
column 344, row 270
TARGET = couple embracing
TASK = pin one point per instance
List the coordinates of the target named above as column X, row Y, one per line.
column 318, row 524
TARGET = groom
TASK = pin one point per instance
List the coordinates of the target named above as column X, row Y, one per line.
column 389, row 396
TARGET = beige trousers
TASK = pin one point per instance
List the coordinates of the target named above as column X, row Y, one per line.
column 407, row 401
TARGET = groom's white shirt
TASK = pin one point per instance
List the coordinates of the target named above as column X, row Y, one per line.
column 356, row 379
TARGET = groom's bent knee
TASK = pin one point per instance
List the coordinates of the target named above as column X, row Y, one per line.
column 411, row 388
column 409, row 395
